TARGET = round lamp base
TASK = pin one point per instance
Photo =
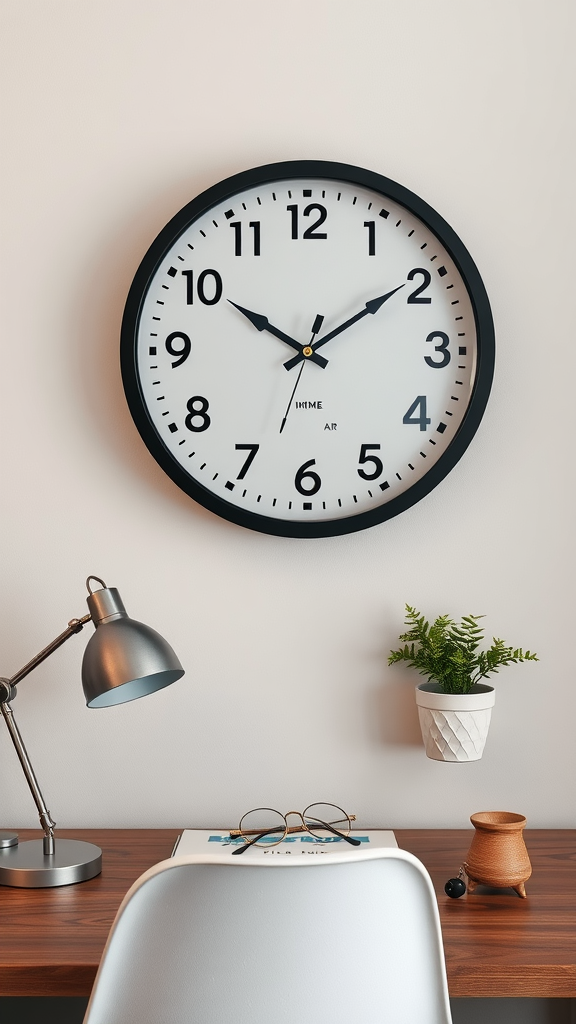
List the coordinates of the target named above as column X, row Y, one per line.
column 27, row 867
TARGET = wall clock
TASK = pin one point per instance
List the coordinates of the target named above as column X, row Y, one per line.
column 307, row 349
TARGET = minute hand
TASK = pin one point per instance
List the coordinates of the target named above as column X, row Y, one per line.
column 372, row 306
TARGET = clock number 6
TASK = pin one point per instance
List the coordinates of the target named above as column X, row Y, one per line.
column 195, row 413
column 301, row 475
column 364, row 458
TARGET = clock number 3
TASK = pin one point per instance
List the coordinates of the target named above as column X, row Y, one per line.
column 442, row 348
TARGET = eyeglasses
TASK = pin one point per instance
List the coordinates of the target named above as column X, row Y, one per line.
column 265, row 826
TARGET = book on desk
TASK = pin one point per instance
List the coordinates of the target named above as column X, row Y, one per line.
column 221, row 843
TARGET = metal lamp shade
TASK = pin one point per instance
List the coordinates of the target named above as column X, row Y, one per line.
column 124, row 659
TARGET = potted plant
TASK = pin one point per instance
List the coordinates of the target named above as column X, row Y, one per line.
column 454, row 705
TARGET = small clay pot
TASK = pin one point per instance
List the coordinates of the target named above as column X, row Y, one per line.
column 497, row 854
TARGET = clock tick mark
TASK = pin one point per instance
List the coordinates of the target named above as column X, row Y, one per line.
column 228, row 214
column 430, row 441
column 215, row 475
column 215, row 224
column 289, row 194
column 181, row 442
column 258, row 200
column 410, row 466
column 369, row 206
column 354, row 200
column 203, row 233
column 459, row 382
column 152, row 350
column 153, row 367
column 398, row 223
column 243, row 206
column 442, row 271
column 462, row 350
column 441, row 427
column 203, row 465
column 454, row 399
column 167, row 413
column 424, row 246
column 307, row 193
column 410, row 233
column 323, row 193
column 339, row 503
column 166, row 287
column 159, row 302
column 156, row 318
column 432, row 258
column 355, row 498
column 274, row 502
column 455, row 302
column 274, row 196
column 458, row 317
column 161, row 399
column 244, row 493
column 449, row 286
column 171, row 271
column 398, row 475
column 384, row 213
column 289, row 504
column 229, row 485
column 172, row 427
column 447, row 412
column 307, row 506
column 423, row 455
column 190, row 246
column 461, row 366
column 181, row 258
column 191, row 454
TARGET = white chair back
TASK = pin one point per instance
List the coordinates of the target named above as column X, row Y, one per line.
column 348, row 938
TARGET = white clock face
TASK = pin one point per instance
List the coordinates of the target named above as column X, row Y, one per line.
column 301, row 354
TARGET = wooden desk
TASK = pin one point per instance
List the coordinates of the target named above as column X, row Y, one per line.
column 496, row 944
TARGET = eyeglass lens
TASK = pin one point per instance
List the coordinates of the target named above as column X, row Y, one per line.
column 317, row 816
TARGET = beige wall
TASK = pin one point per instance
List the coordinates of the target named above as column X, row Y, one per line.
column 116, row 113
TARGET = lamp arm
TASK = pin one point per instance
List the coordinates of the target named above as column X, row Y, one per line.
column 74, row 626
column 7, row 693
column 45, row 818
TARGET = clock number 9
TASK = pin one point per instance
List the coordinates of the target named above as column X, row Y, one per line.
column 181, row 353
column 304, row 472
column 200, row 413
column 442, row 348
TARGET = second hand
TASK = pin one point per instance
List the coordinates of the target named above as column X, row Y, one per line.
column 315, row 328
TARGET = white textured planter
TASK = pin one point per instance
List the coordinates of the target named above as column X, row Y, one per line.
column 454, row 725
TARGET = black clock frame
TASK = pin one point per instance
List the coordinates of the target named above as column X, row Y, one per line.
column 334, row 172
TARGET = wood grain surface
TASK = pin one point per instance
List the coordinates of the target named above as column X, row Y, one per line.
column 496, row 944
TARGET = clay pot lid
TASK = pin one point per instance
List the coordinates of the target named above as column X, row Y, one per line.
column 498, row 820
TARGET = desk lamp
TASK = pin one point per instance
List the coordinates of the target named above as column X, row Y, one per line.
column 124, row 659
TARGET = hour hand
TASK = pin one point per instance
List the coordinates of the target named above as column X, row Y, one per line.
column 261, row 323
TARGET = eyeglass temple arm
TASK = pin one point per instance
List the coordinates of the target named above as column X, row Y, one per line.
column 251, row 842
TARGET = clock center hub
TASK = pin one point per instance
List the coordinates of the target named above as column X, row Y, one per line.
column 307, row 351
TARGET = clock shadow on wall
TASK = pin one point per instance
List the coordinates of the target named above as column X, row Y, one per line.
column 307, row 349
